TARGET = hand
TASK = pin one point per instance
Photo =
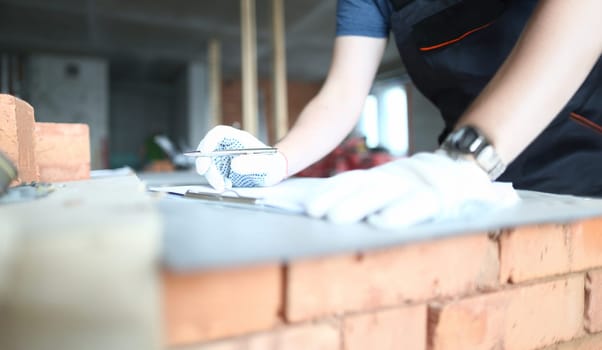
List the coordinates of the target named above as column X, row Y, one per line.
column 252, row 170
column 407, row 191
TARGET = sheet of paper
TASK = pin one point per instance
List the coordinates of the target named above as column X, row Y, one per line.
column 287, row 195
column 290, row 194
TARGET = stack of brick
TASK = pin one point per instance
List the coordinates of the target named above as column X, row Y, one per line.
column 47, row 152
column 528, row 288
column 17, row 139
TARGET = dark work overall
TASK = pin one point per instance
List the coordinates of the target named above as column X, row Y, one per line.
column 452, row 48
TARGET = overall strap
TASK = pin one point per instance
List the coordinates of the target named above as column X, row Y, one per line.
column 399, row 4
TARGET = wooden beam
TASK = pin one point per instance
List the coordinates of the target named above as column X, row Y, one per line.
column 280, row 111
column 215, row 82
column 249, row 66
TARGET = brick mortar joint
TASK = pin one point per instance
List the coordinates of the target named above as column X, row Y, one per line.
column 439, row 302
column 568, row 231
column 585, row 337
column 436, row 303
column 586, row 303
column 433, row 313
column 334, row 322
column 546, row 279
column 495, row 235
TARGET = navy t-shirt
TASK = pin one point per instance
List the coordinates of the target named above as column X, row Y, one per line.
column 364, row 18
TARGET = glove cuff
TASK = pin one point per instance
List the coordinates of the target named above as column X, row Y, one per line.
column 286, row 172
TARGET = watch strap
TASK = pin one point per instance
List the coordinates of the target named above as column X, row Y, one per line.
column 468, row 142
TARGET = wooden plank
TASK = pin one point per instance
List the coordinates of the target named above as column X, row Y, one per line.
column 215, row 82
column 249, row 66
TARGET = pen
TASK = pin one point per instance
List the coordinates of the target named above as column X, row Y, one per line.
column 221, row 198
column 233, row 152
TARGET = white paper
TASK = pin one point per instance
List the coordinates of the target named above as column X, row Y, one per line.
column 287, row 195
column 290, row 194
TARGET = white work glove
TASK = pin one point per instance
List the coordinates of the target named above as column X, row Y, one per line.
column 253, row 170
column 401, row 193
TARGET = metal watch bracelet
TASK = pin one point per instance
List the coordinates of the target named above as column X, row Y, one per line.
column 468, row 142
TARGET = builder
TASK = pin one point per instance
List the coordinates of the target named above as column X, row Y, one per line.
column 519, row 84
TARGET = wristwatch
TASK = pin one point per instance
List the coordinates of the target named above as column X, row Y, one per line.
column 468, row 142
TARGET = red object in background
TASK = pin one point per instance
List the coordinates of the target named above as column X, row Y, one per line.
column 350, row 155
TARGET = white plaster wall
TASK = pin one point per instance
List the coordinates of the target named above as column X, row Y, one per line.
column 83, row 98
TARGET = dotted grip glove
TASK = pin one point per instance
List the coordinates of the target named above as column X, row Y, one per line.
column 253, row 170
column 401, row 193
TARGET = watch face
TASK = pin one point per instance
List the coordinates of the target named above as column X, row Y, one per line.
column 464, row 139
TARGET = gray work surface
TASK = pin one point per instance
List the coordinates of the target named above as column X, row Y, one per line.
column 205, row 235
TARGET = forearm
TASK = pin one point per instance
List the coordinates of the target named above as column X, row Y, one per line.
column 320, row 127
column 559, row 47
column 332, row 114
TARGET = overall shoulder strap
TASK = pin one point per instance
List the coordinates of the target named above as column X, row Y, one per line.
column 399, row 4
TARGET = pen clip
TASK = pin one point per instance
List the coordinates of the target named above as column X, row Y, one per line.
column 219, row 197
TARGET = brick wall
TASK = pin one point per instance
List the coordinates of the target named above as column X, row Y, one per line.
column 47, row 152
column 537, row 287
column 299, row 94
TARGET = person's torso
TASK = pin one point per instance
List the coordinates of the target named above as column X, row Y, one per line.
column 452, row 48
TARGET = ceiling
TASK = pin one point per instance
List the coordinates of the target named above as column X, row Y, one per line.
column 157, row 33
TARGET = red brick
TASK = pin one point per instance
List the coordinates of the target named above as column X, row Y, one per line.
column 533, row 252
column 592, row 342
column 593, row 301
column 17, row 138
column 211, row 305
column 306, row 337
column 416, row 272
column 9, row 142
column 299, row 94
column 403, row 328
column 522, row 318
column 63, row 151
column 586, row 243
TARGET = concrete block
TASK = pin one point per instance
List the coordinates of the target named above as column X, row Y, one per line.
column 85, row 272
column 8, row 251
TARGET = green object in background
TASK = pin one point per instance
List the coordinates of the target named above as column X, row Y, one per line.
column 8, row 173
column 152, row 151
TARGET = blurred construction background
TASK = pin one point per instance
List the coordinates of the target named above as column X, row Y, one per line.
column 134, row 69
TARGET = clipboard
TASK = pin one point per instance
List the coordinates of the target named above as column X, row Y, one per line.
column 285, row 197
